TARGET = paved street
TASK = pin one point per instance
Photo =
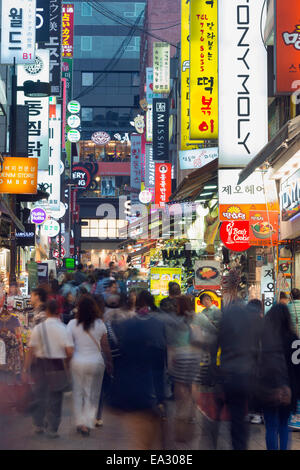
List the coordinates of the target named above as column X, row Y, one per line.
column 16, row 434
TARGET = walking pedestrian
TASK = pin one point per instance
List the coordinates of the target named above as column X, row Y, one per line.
column 49, row 348
column 91, row 356
column 38, row 298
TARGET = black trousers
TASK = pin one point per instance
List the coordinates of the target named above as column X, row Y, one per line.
column 47, row 408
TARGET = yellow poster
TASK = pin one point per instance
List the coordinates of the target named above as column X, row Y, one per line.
column 185, row 142
column 204, row 69
column 216, row 300
column 159, row 281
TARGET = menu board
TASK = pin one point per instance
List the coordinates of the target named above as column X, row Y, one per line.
column 159, row 281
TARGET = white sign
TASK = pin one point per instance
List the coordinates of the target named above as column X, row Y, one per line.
column 101, row 138
column 50, row 228
column 38, row 132
column 73, row 121
column 145, row 196
column 267, row 286
column 60, row 213
column 243, row 93
column 50, row 179
column 149, row 124
column 18, row 31
column 161, row 67
column 192, row 159
column 73, row 135
column 74, row 107
column 254, row 190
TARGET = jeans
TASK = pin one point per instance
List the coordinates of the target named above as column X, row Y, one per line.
column 48, row 405
column 276, row 422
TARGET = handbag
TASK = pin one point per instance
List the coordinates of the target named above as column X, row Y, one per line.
column 55, row 373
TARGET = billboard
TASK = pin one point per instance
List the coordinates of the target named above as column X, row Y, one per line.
column 193, row 159
column 160, row 131
column 19, row 175
column 203, row 70
column 161, row 67
column 243, row 91
column 287, row 46
column 67, row 29
column 18, row 22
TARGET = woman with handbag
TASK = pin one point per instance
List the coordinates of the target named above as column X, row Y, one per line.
column 49, row 349
column 278, row 387
column 91, row 356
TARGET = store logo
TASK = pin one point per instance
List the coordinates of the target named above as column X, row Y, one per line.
column 235, row 235
column 36, row 67
column 234, row 213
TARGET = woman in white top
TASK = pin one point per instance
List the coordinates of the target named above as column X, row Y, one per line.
column 91, row 355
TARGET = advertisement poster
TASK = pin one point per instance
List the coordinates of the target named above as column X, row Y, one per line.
column 207, row 274
column 203, row 70
column 216, row 300
column 67, row 30
column 108, row 186
column 263, row 228
column 19, row 175
column 290, row 196
column 193, row 159
column 159, row 281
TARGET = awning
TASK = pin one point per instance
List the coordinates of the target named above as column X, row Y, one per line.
column 192, row 184
column 283, row 146
column 4, row 207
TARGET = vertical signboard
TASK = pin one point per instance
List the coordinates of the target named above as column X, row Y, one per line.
column 185, row 143
column 136, row 165
column 67, row 29
column 54, row 46
column 42, row 21
column 150, row 171
column 50, row 180
column 204, row 69
column 149, row 85
column 161, row 67
column 18, row 31
column 243, row 92
column 38, row 138
column 163, row 183
column 287, row 43
column 160, row 129
column 149, row 124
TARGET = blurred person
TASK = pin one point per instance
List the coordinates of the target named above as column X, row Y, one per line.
column 91, row 356
column 137, row 391
column 56, row 295
column 174, row 291
column 132, row 297
column 68, row 285
column 38, row 298
column 89, row 283
column 278, row 376
column 294, row 307
column 103, row 282
column 49, row 348
column 80, row 276
column 238, row 343
column 68, row 308
column 284, row 298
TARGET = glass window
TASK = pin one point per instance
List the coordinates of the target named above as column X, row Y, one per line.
column 86, row 9
column 87, row 78
column 86, row 114
column 86, row 43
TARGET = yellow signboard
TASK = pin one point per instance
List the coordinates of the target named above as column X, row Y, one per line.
column 19, row 175
column 185, row 142
column 204, row 69
column 159, row 281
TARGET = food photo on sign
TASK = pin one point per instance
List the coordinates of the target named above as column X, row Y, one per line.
column 207, row 274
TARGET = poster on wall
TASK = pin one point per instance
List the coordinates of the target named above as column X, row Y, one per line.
column 203, row 69
column 108, row 186
column 207, row 274
column 159, row 281
column 216, row 300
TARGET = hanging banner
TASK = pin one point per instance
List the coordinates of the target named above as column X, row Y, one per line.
column 161, row 67
column 204, row 69
column 38, row 129
column 185, row 142
column 136, row 166
column 163, row 183
column 287, row 46
column 243, row 91
column 67, row 30
column 19, row 175
column 161, row 129
column 54, row 46
column 18, row 20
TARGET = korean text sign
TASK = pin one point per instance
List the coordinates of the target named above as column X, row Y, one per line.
column 243, row 105
column 204, row 69
column 163, row 183
column 160, row 136
column 136, row 164
column 185, row 143
column 67, row 30
column 287, row 45
column 19, row 175
column 38, row 131
column 161, row 67
column 18, row 31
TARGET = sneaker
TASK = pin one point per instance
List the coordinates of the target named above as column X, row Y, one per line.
column 99, row 423
column 256, row 419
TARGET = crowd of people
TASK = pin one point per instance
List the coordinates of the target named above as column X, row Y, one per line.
column 119, row 349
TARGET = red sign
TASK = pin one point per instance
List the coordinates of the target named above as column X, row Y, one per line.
column 67, row 30
column 287, row 45
column 55, row 253
column 235, row 235
column 163, row 183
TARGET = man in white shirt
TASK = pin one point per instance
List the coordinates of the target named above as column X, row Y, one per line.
column 50, row 345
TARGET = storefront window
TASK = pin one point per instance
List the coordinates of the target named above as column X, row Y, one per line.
column 114, row 151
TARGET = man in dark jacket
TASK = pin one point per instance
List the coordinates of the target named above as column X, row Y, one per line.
column 80, row 276
column 238, row 342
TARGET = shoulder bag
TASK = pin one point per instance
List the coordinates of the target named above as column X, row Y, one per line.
column 56, row 376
